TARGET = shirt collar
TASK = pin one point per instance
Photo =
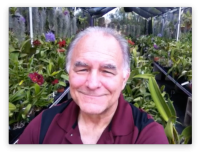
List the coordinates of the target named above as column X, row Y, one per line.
column 120, row 125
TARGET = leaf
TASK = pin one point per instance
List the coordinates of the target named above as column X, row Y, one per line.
column 11, row 107
column 66, row 77
column 10, row 114
column 142, row 90
column 62, row 83
column 136, row 105
column 159, row 100
column 16, row 96
column 12, row 121
column 28, row 107
column 49, row 68
column 14, row 56
column 54, row 73
column 37, row 88
column 131, row 76
column 162, row 88
column 128, row 89
column 25, row 102
column 22, row 55
column 187, row 133
column 169, row 130
column 23, row 116
column 26, row 44
column 176, row 136
column 138, row 99
column 144, row 76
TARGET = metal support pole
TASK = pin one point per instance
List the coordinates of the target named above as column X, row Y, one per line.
column 179, row 18
column 31, row 25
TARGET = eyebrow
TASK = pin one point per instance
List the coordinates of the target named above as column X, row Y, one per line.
column 106, row 66
column 80, row 64
column 109, row 66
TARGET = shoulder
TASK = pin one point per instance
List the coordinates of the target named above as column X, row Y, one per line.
column 31, row 133
column 40, row 124
column 140, row 117
column 149, row 131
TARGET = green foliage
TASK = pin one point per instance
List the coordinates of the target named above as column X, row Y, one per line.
column 25, row 96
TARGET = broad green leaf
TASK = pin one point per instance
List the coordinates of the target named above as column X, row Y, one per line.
column 187, row 134
column 11, row 107
column 37, row 88
column 136, row 105
column 128, row 89
column 23, row 116
column 66, row 77
column 147, row 94
column 144, row 76
column 28, row 107
column 62, row 83
column 26, row 44
column 25, row 102
column 169, row 130
column 54, row 73
column 23, row 55
column 14, row 56
column 176, row 136
column 171, row 107
column 49, row 68
column 138, row 99
column 16, row 96
column 159, row 100
column 162, row 88
column 142, row 90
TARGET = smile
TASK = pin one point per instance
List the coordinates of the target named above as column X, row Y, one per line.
column 90, row 95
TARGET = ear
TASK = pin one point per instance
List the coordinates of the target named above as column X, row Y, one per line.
column 125, row 79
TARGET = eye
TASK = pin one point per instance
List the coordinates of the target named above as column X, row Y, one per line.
column 83, row 70
column 108, row 72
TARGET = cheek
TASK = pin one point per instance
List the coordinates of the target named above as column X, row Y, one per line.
column 76, row 81
column 113, row 85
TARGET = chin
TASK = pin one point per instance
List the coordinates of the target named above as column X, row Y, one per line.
column 91, row 109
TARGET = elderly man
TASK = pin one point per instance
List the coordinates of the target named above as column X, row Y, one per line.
column 98, row 63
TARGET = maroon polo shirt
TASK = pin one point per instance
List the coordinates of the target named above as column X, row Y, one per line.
column 129, row 125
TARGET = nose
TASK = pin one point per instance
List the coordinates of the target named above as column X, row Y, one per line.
column 93, row 80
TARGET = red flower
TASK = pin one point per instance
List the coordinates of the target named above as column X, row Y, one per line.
column 36, row 43
column 131, row 42
column 55, row 81
column 62, row 43
column 37, row 78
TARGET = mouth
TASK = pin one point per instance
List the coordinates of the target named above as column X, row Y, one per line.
column 91, row 95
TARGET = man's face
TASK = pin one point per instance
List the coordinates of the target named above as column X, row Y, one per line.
column 96, row 74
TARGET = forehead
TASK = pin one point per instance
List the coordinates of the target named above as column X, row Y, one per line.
column 98, row 47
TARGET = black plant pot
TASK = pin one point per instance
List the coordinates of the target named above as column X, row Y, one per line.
column 180, row 80
column 166, row 69
column 14, row 134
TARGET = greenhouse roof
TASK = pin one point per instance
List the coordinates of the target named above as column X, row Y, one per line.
column 145, row 12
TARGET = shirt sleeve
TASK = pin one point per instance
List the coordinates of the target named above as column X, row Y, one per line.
column 31, row 133
column 152, row 134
